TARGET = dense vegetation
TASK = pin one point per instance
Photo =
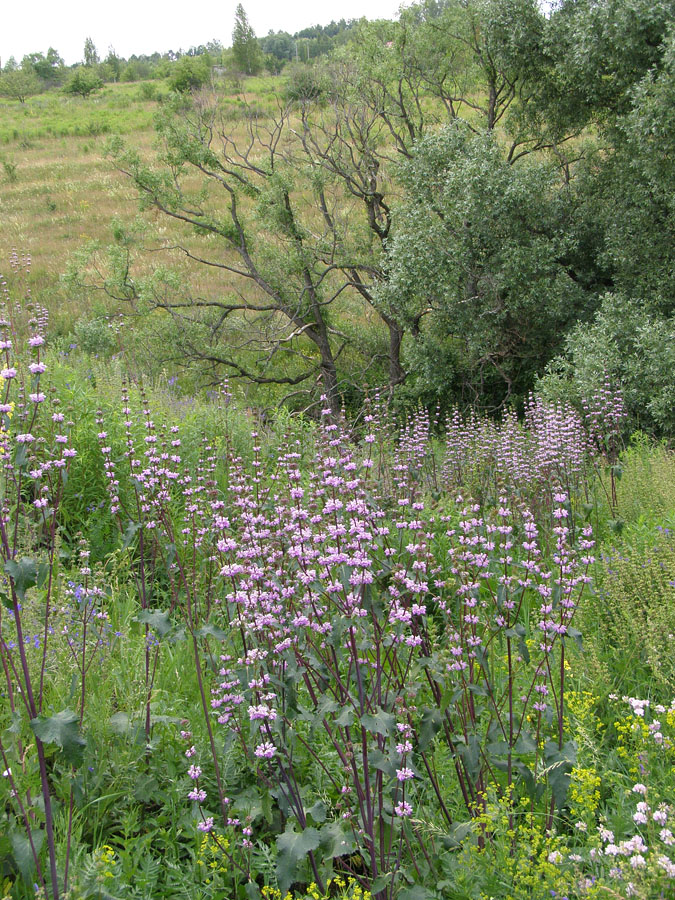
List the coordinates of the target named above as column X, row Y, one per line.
column 337, row 495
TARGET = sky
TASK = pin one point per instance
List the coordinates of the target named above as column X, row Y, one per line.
column 143, row 26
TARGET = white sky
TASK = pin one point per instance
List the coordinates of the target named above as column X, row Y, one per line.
column 143, row 26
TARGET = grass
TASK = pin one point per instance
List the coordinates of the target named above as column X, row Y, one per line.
column 63, row 193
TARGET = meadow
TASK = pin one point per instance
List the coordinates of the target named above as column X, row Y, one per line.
column 278, row 641
column 315, row 659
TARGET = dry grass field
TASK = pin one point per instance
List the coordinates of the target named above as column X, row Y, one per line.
column 58, row 191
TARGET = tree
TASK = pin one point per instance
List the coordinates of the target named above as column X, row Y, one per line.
column 478, row 268
column 91, row 57
column 630, row 199
column 19, row 84
column 277, row 224
column 278, row 44
column 245, row 46
column 113, row 64
column 83, row 81
column 189, row 73
column 49, row 69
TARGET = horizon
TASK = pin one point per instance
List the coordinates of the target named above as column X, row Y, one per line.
column 161, row 27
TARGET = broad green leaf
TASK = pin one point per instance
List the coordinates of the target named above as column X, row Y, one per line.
column 379, row 760
column 23, row 573
column 23, row 854
column 120, row 723
column 380, row 883
column 212, row 631
column 346, row 717
column 429, row 727
column 335, row 841
column 577, row 637
column 157, row 619
column 62, row 729
column 20, row 456
column 525, row 744
column 381, row 723
column 129, row 534
column 298, row 843
column 318, row 812
column 293, row 847
column 416, row 892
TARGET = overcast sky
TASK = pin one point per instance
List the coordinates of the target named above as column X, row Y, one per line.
column 143, row 26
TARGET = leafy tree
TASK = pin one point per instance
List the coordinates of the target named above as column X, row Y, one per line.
column 630, row 197
column 113, row 64
column 83, row 81
column 478, row 267
column 283, row 236
column 190, row 72
column 278, row 44
column 247, row 53
column 91, row 57
column 19, row 84
column 49, row 69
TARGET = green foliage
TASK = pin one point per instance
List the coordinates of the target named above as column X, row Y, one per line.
column 305, row 83
column 19, row 84
column 48, row 67
column 476, row 270
column 83, row 82
column 245, row 46
column 61, row 729
column 91, row 57
column 631, row 346
column 189, row 73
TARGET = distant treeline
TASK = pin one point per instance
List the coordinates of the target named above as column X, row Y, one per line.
column 41, row 71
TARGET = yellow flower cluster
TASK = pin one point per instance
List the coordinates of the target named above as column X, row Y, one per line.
column 106, row 860
column 210, row 855
column 584, row 794
column 347, row 890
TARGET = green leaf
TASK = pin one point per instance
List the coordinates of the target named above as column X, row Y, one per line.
column 293, row 847
column 157, row 619
column 318, row 812
column 20, row 456
column 298, row 843
column 253, row 891
column 120, row 723
column 15, row 727
column 518, row 630
column 379, row 760
column 129, row 534
column 23, row 573
column 457, row 834
column 346, row 717
column 577, row 637
column 23, row 854
column 429, row 727
column 416, row 892
column 212, row 631
column 524, row 652
column 525, row 744
column 381, row 723
column 335, row 841
column 380, row 883
column 561, row 762
column 62, row 729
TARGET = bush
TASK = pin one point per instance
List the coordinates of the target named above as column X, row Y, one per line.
column 634, row 348
column 190, row 72
column 83, row 82
column 305, row 83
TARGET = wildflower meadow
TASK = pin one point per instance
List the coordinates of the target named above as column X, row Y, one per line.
column 390, row 656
